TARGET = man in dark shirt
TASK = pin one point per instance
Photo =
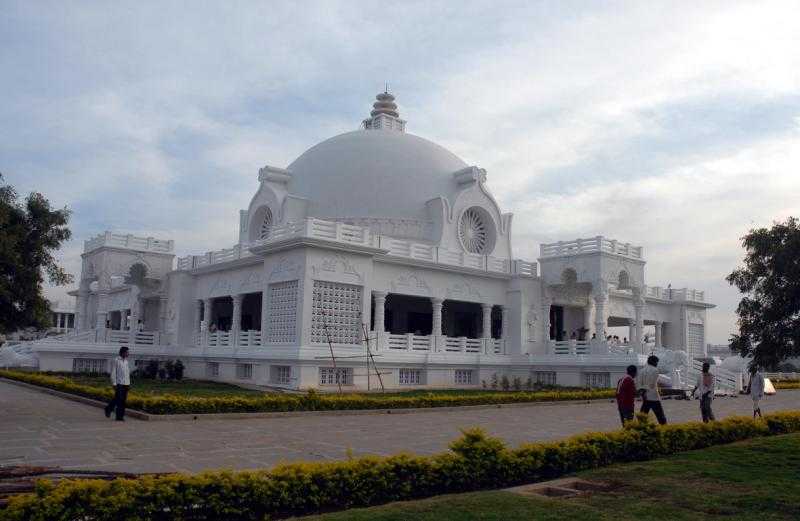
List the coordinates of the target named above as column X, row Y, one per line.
column 626, row 393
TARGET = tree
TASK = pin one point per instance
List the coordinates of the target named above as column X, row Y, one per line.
column 769, row 312
column 30, row 233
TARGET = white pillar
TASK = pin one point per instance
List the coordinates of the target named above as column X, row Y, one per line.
column 380, row 312
column 638, row 308
column 58, row 321
column 504, row 322
column 487, row 320
column 102, row 312
column 198, row 315
column 486, row 334
column 658, row 334
column 264, row 315
column 162, row 317
column 600, row 299
column 546, row 303
column 80, row 310
column 207, row 312
column 587, row 319
column 236, row 321
column 436, row 330
column 631, row 331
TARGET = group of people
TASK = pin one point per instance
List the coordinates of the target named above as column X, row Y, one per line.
column 634, row 384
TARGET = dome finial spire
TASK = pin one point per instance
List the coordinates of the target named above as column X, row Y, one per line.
column 384, row 113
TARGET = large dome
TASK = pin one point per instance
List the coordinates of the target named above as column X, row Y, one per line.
column 377, row 173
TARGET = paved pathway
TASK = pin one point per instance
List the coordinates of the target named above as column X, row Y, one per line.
column 40, row 429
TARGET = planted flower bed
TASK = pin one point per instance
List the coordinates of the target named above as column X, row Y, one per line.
column 310, row 401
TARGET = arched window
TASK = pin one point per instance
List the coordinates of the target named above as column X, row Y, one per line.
column 569, row 276
column 266, row 224
column 624, row 281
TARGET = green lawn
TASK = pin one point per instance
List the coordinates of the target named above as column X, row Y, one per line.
column 182, row 388
column 757, row 479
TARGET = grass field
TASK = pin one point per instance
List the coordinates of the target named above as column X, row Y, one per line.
column 757, row 479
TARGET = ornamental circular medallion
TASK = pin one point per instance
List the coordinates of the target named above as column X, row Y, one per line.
column 266, row 225
column 473, row 230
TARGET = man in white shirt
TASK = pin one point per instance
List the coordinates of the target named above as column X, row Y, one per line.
column 705, row 388
column 756, row 390
column 121, row 380
column 648, row 386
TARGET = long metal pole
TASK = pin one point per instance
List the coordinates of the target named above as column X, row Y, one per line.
column 333, row 357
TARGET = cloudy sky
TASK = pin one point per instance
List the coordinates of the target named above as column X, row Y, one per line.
column 671, row 125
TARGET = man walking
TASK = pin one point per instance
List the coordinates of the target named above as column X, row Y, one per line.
column 626, row 394
column 705, row 384
column 121, row 380
column 649, row 389
column 756, row 390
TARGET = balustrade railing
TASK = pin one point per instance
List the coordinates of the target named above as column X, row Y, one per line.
column 591, row 245
column 681, row 294
column 128, row 241
column 250, row 338
column 359, row 235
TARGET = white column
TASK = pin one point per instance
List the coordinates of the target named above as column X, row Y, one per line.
column 198, row 315
column 264, row 316
column 546, row 303
column 436, row 331
column 80, row 310
column 486, row 334
column 207, row 312
column 587, row 319
column 487, row 320
column 102, row 312
column 600, row 320
column 631, row 331
column 58, row 321
column 236, row 320
column 504, row 322
column 380, row 312
column 638, row 308
column 162, row 318
column 658, row 334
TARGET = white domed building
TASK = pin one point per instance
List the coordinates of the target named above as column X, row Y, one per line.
column 383, row 239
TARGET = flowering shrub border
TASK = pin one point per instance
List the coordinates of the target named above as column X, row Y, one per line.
column 475, row 461
column 311, row 401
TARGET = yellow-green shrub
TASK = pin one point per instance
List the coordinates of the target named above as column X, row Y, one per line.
column 172, row 404
column 474, row 462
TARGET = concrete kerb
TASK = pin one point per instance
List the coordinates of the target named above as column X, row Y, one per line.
column 288, row 414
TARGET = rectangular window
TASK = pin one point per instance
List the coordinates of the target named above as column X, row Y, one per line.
column 336, row 313
column 602, row 380
column 281, row 374
column 464, row 376
column 282, row 317
column 544, row 377
column 212, row 369
column 89, row 365
column 410, row 377
column 244, row 371
column 331, row 376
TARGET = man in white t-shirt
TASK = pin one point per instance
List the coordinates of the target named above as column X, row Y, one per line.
column 648, row 386
column 121, row 380
column 756, row 390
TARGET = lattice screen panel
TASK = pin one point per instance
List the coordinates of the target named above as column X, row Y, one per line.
column 282, row 318
column 337, row 306
column 694, row 340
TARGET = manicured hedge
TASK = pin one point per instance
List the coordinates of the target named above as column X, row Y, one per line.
column 786, row 384
column 475, row 461
column 312, row 401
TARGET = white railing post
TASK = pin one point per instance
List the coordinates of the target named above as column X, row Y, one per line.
column 409, row 341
